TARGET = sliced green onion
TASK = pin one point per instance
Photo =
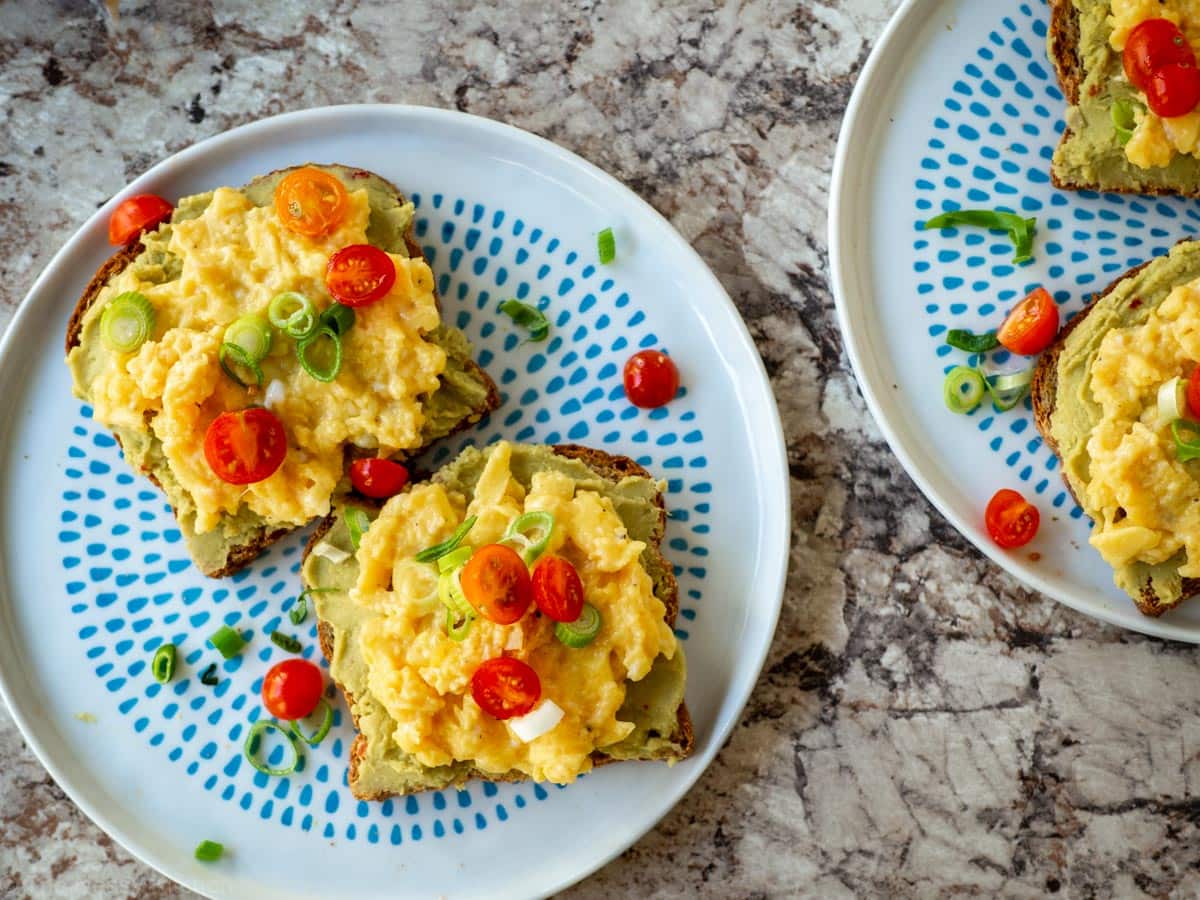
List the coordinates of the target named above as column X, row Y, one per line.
column 127, row 322
column 540, row 524
column 285, row 642
column 437, row 551
column 606, row 246
column 209, row 675
column 299, row 611
column 1020, row 230
column 527, row 317
column 163, row 664
column 319, row 734
column 209, row 851
column 293, row 314
column 254, row 741
column 961, row 339
column 1008, row 390
column 457, row 628
column 1187, row 440
column 963, row 389
column 338, row 317
column 304, row 348
column 241, row 358
column 1123, row 120
column 252, row 334
column 454, row 559
column 1172, row 400
column 357, row 523
column 582, row 631
column 228, row 642
column 451, row 594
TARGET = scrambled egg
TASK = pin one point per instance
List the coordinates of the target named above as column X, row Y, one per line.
column 422, row 677
column 1148, row 501
column 1156, row 140
column 235, row 258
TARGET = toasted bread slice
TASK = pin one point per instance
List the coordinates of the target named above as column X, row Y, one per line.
column 241, row 538
column 378, row 768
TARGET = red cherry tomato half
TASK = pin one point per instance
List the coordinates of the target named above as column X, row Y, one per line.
column 135, row 215
column 1174, row 90
column 496, row 582
column 505, row 687
column 292, row 689
column 359, row 274
column 378, row 478
column 1193, row 393
column 651, row 379
column 245, row 446
column 1153, row 44
column 1032, row 324
column 1011, row 520
column 557, row 589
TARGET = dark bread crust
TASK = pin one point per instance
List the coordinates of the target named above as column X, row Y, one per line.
column 604, row 464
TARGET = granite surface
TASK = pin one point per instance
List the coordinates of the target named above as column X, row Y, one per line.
column 923, row 726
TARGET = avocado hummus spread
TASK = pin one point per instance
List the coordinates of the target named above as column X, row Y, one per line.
column 651, row 704
column 461, row 393
column 1118, row 454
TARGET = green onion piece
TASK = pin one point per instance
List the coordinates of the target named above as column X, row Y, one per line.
column 1008, row 390
column 451, row 594
column 1020, row 230
column 582, row 631
column 961, row 339
column 540, row 524
column 357, row 522
column 127, row 322
column 299, row 611
column 1187, row 440
column 285, row 642
column 240, row 358
column 1123, row 120
column 304, row 350
column 293, row 314
column 254, row 741
column 1172, row 400
column 606, row 246
column 209, row 851
column 457, row 628
column 209, row 676
column 318, row 735
column 454, row 559
column 963, row 389
column 437, row 551
column 163, row 664
column 252, row 334
column 527, row 317
column 338, row 317
column 228, row 642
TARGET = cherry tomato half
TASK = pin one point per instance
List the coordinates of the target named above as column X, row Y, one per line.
column 359, row 274
column 651, row 379
column 505, row 687
column 379, row 478
column 1011, row 520
column 310, row 202
column 557, row 589
column 1031, row 325
column 135, row 215
column 246, row 445
column 1153, row 44
column 1193, row 393
column 292, row 689
column 496, row 582
column 1174, row 90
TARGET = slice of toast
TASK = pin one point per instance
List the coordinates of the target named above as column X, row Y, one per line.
column 379, row 768
column 241, row 538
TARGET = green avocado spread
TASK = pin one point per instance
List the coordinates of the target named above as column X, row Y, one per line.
column 460, row 395
column 651, row 704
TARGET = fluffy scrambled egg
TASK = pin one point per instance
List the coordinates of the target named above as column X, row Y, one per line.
column 1148, row 501
column 1156, row 140
column 235, row 258
column 422, row 677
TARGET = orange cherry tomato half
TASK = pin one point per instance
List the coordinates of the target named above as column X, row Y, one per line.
column 651, row 379
column 310, row 202
column 135, row 215
column 246, row 445
column 1174, row 90
column 1154, row 43
column 1011, row 520
column 557, row 589
column 292, row 689
column 359, row 274
column 505, row 687
column 1032, row 324
column 496, row 582
column 378, row 478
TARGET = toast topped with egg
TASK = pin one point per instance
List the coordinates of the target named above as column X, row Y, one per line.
column 410, row 627
column 219, row 351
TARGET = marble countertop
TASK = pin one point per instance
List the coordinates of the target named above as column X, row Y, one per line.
column 923, row 724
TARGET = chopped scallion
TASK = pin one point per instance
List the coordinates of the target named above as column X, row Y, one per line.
column 209, row 851
column 1123, row 120
column 319, row 735
column 127, row 322
column 285, row 642
column 454, row 559
column 527, row 317
column 357, row 523
column 606, row 246
column 293, row 314
column 240, row 358
column 229, row 643
column 252, row 334
column 209, row 676
column 530, row 533
column 963, row 389
column 163, row 664
column 437, row 551
column 338, row 317
column 1187, row 440
column 306, row 351
column 254, row 741
column 582, row 631
column 1020, row 230
column 1009, row 389
column 961, row 339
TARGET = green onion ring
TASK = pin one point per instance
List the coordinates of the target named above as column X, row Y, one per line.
column 303, row 347
column 242, row 359
column 454, row 559
column 582, row 631
column 963, row 389
column 252, row 334
column 1009, row 389
column 127, row 322
column 339, row 317
column 253, row 740
column 293, row 314
column 163, row 664
column 457, row 628
column 319, row 734
column 537, row 521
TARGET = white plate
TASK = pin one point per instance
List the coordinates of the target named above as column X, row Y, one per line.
column 93, row 573
column 958, row 106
